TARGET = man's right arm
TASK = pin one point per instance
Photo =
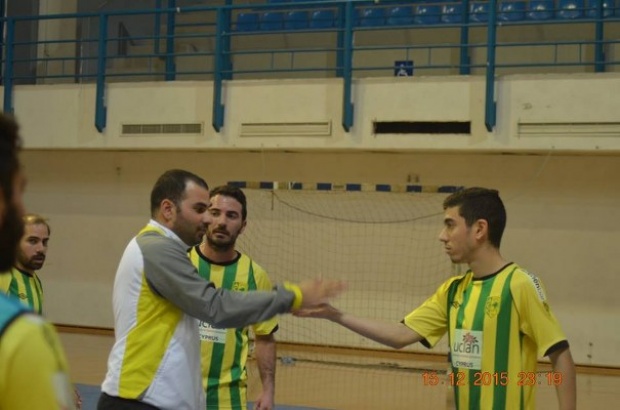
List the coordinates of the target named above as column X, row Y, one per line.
column 395, row 335
column 170, row 273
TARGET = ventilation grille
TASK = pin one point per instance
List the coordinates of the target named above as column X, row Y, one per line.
column 290, row 129
column 421, row 127
column 158, row 129
column 569, row 129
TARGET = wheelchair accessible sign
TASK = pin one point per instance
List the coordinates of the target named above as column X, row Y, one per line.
column 403, row 68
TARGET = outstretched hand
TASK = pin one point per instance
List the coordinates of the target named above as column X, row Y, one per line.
column 322, row 311
column 319, row 291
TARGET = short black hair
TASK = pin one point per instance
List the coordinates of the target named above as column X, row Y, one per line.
column 233, row 192
column 171, row 185
column 480, row 203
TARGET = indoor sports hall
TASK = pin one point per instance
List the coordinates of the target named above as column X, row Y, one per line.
column 347, row 124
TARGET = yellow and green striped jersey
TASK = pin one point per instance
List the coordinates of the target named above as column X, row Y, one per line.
column 497, row 327
column 23, row 286
column 224, row 352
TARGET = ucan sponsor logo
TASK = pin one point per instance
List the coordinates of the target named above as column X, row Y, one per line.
column 469, row 344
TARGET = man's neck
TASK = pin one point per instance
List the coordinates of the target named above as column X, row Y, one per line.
column 216, row 255
column 24, row 270
column 487, row 263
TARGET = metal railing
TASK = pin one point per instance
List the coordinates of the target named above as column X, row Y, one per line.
column 335, row 38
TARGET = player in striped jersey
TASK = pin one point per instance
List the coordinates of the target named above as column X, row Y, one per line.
column 23, row 282
column 224, row 351
column 496, row 315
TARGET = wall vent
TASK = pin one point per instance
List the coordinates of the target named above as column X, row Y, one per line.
column 288, row 129
column 569, row 129
column 159, row 129
column 421, row 127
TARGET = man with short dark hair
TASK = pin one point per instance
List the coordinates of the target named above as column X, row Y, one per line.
column 158, row 297
column 225, row 351
column 496, row 315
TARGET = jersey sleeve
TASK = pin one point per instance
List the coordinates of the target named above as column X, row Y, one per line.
column 171, row 274
column 263, row 283
column 430, row 319
column 34, row 371
column 536, row 319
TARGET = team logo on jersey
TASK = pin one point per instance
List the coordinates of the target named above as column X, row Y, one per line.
column 491, row 307
column 22, row 296
column 240, row 286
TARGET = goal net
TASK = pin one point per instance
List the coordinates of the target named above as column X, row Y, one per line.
column 382, row 240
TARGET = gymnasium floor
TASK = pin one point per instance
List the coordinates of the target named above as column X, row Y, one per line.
column 307, row 384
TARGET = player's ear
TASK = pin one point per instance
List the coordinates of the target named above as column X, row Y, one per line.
column 167, row 209
column 481, row 229
column 243, row 225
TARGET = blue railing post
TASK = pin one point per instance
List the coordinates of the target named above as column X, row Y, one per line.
column 171, row 27
column 157, row 28
column 464, row 61
column 490, row 109
column 347, row 67
column 599, row 53
column 341, row 26
column 100, row 94
column 217, row 119
column 226, row 28
column 2, row 14
column 8, row 65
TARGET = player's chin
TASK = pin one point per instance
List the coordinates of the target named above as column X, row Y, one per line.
column 454, row 258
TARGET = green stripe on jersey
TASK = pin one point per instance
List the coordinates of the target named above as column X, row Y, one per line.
column 502, row 344
column 478, row 324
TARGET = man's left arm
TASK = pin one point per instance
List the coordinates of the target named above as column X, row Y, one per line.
column 562, row 362
column 265, row 352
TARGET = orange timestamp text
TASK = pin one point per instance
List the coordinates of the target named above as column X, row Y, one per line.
column 458, row 379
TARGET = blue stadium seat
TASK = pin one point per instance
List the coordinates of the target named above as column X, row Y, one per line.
column 400, row 16
column 247, row 22
column 272, row 20
column 608, row 8
column 296, row 20
column 323, row 19
column 479, row 12
column 427, row 14
column 570, row 9
column 540, row 10
column 452, row 13
column 372, row 17
column 511, row 11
